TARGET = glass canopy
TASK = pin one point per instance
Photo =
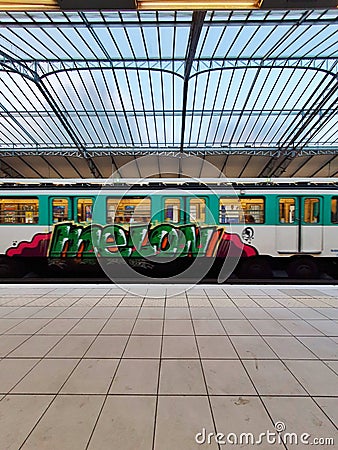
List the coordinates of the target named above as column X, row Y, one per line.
column 224, row 82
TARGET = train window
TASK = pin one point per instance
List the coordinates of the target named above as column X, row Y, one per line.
column 230, row 211
column 60, row 209
column 128, row 210
column 84, row 209
column 172, row 211
column 19, row 210
column 334, row 210
column 253, row 209
column 197, row 210
column 311, row 210
column 241, row 210
column 287, row 210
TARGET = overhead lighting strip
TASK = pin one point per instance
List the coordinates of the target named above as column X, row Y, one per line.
column 150, row 5
column 29, row 5
column 196, row 4
column 168, row 5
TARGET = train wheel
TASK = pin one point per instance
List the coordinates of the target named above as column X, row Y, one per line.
column 303, row 268
column 256, row 268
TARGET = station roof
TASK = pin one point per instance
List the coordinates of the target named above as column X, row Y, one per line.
column 253, row 93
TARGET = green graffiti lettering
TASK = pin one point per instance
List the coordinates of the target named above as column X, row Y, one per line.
column 192, row 240
column 113, row 242
column 161, row 237
column 139, row 242
column 88, row 240
column 65, row 240
column 70, row 240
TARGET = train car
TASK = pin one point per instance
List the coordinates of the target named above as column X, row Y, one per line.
column 289, row 224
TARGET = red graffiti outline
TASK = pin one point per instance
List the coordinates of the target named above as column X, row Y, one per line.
column 30, row 248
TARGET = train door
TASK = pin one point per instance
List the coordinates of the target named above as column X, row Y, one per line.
column 299, row 227
column 83, row 209
column 173, row 210
column 311, row 236
column 197, row 210
column 60, row 209
column 185, row 209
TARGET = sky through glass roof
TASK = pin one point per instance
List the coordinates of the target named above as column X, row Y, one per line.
column 90, row 83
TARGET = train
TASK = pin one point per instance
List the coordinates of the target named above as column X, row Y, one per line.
column 161, row 226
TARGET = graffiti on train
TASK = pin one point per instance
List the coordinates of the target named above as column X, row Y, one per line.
column 71, row 240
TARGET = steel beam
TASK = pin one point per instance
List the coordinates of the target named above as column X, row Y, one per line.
column 277, row 167
column 202, row 151
column 41, row 68
column 42, row 20
column 8, row 170
column 167, row 112
column 195, row 32
column 21, row 68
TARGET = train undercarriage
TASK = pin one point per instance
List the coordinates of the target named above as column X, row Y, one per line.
column 258, row 267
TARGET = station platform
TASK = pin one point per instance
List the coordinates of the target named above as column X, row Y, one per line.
column 163, row 368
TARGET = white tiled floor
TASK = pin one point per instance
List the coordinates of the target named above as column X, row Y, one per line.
column 97, row 367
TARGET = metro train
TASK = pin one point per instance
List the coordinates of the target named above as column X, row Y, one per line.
column 265, row 224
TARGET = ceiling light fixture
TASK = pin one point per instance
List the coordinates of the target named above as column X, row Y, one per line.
column 29, row 5
column 169, row 5
column 197, row 4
